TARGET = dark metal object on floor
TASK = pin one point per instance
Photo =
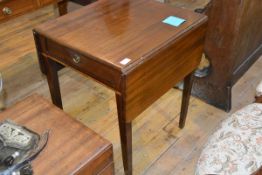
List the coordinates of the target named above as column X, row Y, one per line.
column 18, row 147
column 83, row 2
column 201, row 73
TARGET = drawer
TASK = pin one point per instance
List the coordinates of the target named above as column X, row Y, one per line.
column 10, row 8
column 90, row 66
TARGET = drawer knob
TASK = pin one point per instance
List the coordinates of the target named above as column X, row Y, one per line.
column 7, row 11
column 76, row 58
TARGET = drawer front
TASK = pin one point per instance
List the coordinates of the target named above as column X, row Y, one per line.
column 10, row 8
column 89, row 66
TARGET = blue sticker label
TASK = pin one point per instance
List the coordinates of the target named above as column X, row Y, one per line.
column 174, row 21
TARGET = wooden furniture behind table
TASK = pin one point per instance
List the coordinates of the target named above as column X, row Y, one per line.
column 95, row 40
column 12, row 8
column 72, row 148
column 233, row 43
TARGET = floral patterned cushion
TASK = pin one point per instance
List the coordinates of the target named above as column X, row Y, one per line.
column 259, row 90
column 236, row 147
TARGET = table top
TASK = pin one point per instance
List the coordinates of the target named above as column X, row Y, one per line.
column 71, row 146
column 110, row 31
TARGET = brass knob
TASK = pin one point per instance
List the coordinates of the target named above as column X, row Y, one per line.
column 7, row 11
column 76, row 58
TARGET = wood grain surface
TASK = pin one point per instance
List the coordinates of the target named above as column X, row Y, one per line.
column 119, row 29
column 72, row 147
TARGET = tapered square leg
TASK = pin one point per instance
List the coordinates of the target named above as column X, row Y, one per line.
column 125, row 130
column 62, row 7
column 188, row 82
column 52, row 68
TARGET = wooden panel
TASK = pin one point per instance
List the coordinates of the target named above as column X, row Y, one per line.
column 71, row 148
column 17, row 7
column 233, row 43
column 249, row 31
column 154, row 78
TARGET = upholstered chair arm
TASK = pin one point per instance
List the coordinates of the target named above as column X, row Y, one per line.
column 259, row 93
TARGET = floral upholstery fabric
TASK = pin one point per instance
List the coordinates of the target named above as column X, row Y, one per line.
column 259, row 90
column 236, row 147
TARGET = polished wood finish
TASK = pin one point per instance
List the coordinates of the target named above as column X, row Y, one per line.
column 160, row 55
column 110, row 49
column 159, row 146
column 72, row 148
column 19, row 7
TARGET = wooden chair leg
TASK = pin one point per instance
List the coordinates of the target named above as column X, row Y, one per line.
column 125, row 130
column 51, row 68
column 188, row 82
column 62, row 7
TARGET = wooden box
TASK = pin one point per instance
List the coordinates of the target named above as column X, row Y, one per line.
column 72, row 147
